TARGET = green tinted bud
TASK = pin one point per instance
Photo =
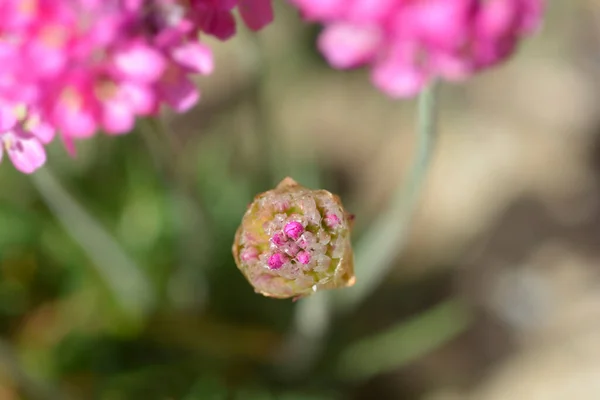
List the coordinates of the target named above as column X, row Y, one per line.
column 294, row 241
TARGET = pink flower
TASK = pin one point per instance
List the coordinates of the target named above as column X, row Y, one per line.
column 256, row 13
column 86, row 65
column 23, row 138
column 215, row 16
column 409, row 42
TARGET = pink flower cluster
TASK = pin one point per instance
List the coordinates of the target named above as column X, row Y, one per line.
column 409, row 42
column 76, row 66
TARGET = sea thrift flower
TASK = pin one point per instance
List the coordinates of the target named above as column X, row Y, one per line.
column 294, row 252
column 409, row 42
column 86, row 65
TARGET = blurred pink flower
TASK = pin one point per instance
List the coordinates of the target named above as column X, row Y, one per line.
column 86, row 65
column 23, row 137
column 215, row 16
column 408, row 42
column 256, row 13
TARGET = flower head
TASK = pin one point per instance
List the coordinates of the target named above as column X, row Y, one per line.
column 409, row 42
column 287, row 245
column 89, row 65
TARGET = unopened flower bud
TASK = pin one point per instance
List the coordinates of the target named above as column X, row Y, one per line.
column 295, row 250
column 293, row 229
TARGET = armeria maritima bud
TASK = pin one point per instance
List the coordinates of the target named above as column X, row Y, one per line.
column 294, row 241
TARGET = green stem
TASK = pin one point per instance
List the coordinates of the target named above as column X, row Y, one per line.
column 383, row 241
column 268, row 147
column 375, row 252
column 405, row 342
column 122, row 274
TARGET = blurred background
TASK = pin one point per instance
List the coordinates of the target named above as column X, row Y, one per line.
column 116, row 274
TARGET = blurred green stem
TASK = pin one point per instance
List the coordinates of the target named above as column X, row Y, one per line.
column 375, row 253
column 383, row 241
column 123, row 276
column 404, row 343
column 273, row 163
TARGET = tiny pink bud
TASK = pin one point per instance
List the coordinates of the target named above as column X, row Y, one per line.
column 332, row 220
column 303, row 257
column 293, row 229
column 279, row 239
column 277, row 260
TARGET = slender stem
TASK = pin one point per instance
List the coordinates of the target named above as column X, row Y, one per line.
column 267, row 140
column 121, row 273
column 404, row 343
column 376, row 251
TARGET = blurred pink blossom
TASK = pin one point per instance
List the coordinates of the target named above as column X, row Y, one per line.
column 23, row 137
column 408, row 42
column 86, row 65
column 215, row 16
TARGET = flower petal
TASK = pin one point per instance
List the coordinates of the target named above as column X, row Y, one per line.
column 39, row 128
column 69, row 144
column 25, row 151
column 73, row 120
column 140, row 98
column 8, row 117
column 398, row 75
column 195, row 56
column 180, row 93
column 117, row 117
column 256, row 13
column 139, row 62
column 220, row 24
column 314, row 10
column 346, row 45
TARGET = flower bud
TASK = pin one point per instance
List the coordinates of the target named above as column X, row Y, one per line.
column 294, row 241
